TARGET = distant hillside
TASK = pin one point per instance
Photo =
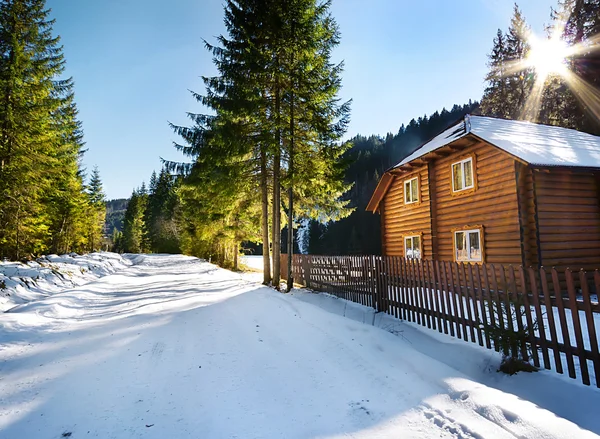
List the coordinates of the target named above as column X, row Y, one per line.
column 115, row 212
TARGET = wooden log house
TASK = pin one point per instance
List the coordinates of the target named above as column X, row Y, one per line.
column 496, row 191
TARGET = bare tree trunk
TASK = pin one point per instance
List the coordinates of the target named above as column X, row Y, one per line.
column 236, row 251
column 277, row 191
column 276, row 221
column 264, row 192
column 290, row 226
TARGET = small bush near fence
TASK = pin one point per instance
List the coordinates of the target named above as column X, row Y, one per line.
column 525, row 313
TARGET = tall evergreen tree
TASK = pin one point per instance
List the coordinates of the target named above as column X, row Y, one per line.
column 41, row 187
column 495, row 95
column 134, row 238
column 97, row 211
column 510, row 79
column 161, row 216
column 266, row 122
column 315, row 118
column 579, row 21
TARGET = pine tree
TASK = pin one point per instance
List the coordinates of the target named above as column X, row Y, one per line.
column 510, row 79
column 134, row 227
column 564, row 103
column 233, row 141
column 495, row 95
column 41, row 202
column 315, row 118
column 521, row 81
column 161, row 214
column 97, row 211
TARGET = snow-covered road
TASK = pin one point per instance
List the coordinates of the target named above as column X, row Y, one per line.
column 173, row 347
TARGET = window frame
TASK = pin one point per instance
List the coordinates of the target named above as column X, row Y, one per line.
column 409, row 181
column 461, row 162
column 467, row 230
column 412, row 236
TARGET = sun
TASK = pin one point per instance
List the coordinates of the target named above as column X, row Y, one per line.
column 548, row 56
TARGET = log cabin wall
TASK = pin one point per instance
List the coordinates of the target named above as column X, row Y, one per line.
column 569, row 218
column 493, row 204
column 528, row 215
column 400, row 220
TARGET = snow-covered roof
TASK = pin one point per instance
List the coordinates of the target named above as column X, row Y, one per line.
column 536, row 144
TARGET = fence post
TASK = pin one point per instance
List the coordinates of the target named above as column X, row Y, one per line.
column 378, row 283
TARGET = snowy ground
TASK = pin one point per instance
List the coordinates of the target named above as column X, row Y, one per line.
column 173, row 347
column 254, row 262
column 23, row 282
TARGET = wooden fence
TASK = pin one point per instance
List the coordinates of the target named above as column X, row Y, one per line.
column 557, row 314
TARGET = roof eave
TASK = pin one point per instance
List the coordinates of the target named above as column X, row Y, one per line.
column 382, row 187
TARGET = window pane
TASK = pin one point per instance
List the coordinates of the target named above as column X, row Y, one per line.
column 407, row 192
column 457, row 176
column 417, row 247
column 461, row 245
column 468, row 168
column 415, row 190
column 475, row 246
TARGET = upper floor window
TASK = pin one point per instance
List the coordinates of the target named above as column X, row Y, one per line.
column 411, row 191
column 468, row 246
column 462, row 175
column 412, row 247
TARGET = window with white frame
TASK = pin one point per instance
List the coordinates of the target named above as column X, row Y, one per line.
column 412, row 247
column 467, row 245
column 411, row 191
column 462, row 175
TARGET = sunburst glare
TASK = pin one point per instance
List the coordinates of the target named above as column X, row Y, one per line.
column 548, row 56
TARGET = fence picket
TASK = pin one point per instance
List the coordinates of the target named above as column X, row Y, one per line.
column 489, row 311
column 435, row 291
column 585, row 375
column 535, row 296
column 551, row 322
column 455, row 302
column 447, row 293
column 412, row 290
column 591, row 329
column 528, row 316
column 475, row 302
column 422, row 294
column 405, row 290
column 560, row 304
column 441, row 296
column 480, row 303
column 396, row 286
column 512, row 292
column 467, row 300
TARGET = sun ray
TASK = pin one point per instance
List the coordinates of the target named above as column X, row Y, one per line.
column 587, row 94
column 531, row 109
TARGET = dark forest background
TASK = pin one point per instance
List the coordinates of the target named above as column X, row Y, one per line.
column 368, row 158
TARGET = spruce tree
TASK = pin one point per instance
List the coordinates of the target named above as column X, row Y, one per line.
column 495, row 95
column 161, row 216
column 41, row 186
column 522, row 78
column 97, row 211
column 575, row 104
column 134, row 238
column 315, row 119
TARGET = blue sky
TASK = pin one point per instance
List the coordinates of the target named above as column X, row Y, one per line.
column 134, row 61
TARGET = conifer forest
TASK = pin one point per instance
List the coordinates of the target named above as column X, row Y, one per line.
column 269, row 167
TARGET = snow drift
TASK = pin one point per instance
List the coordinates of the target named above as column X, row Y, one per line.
column 25, row 282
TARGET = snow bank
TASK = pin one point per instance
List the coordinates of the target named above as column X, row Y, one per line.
column 24, row 282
